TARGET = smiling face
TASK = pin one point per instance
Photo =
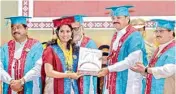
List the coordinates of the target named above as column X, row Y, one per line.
column 19, row 31
column 120, row 22
column 77, row 31
column 64, row 33
column 163, row 35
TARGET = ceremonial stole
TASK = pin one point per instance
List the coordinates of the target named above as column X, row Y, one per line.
column 18, row 68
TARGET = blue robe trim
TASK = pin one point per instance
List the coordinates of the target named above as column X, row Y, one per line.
column 67, row 81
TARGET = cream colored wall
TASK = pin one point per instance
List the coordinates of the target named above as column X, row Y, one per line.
column 100, row 36
column 8, row 8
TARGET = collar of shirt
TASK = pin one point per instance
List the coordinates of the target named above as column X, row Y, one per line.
column 164, row 45
column 19, row 45
column 119, row 35
column 122, row 32
column 79, row 42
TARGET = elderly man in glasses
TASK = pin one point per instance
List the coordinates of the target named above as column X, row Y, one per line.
column 162, row 63
column 87, row 84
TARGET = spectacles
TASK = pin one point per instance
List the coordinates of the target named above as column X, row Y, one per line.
column 76, row 28
column 160, row 31
column 117, row 17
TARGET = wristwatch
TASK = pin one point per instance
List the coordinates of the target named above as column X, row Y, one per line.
column 146, row 70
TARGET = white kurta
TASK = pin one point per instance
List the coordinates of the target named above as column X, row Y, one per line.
column 80, row 41
column 33, row 73
column 167, row 71
column 163, row 72
column 49, row 85
column 134, row 82
column 161, row 47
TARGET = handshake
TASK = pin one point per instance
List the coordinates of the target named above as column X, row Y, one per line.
column 74, row 75
column 139, row 68
column 17, row 85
